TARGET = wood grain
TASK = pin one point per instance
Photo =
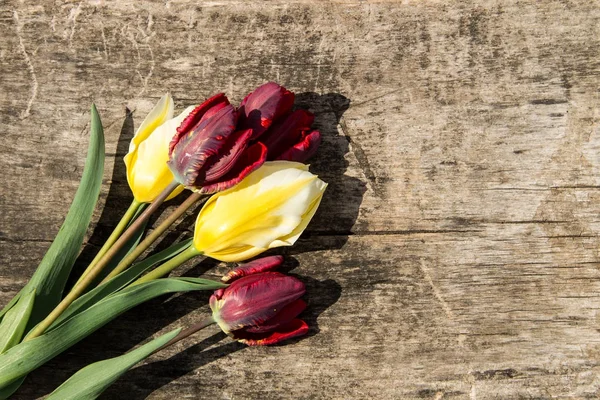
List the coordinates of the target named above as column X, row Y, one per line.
column 455, row 254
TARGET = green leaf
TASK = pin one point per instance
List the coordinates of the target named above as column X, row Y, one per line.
column 118, row 282
column 14, row 322
column 50, row 278
column 8, row 390
column 29, row 355
column 10, row 304
column 51, row 275
column 89, row 382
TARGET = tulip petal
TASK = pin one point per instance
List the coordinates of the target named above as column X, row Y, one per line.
column 160, row 113
column 287, row 314
column 261, row 220
column 267, row 209
column 286, row 132
column 250, row 160
column 264, row 105
column 207, row 139
column 254, row 299
column 147, row 171
column 291, row 238
column 253, row 267
column 304, row 149
column 292, row 329
column 218, row 101
column 236, row 144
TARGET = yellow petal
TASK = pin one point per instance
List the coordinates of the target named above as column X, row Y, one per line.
column 269, row 208
column 162, row 112
column 147, row 171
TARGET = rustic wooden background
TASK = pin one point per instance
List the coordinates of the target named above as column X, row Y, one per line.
column 455, row 254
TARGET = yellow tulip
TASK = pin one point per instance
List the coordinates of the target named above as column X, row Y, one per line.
column 147, row 171
column 269, row 208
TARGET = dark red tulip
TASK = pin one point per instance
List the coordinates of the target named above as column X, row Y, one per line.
column 208, row 154
column 286, row 134
column 291, row 138
column 260, row 308
column 263, row 106
column 304, row 149
column 253, row 267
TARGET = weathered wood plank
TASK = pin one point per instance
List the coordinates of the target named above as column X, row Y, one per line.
column 456, row 252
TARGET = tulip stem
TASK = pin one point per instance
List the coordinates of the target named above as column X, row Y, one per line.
column 208, row 321
column 116, row 233
column 153, row 236
column 168, row 266
column 80, row 287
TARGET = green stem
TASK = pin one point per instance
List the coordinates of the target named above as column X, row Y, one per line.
column 79, row 288
column 208, row 321
column 116, row 233
column 169, row 266
column 151, row 238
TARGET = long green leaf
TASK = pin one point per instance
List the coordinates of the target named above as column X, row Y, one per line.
column 50, row 278
column 8, row 390
column 14, row 322
column 29, row 355
column 89, row 382
column 10, row 304
column 118, row 282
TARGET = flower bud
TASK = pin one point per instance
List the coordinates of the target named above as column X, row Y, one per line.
column 260, row 308
column 271, row 207
column 146, row 162
column 208, row 154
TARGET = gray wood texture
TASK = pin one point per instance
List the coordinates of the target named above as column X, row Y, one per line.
column 455, row 254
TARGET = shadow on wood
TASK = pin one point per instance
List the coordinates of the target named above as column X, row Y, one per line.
column 340, row 206
column 145, row 379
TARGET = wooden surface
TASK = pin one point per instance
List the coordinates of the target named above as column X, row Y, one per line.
column 455, row 255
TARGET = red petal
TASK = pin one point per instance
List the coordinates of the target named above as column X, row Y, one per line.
column 263, row 106
column 212, row 111
column 303, row 150
column 253, row 267
column 284, row 316
column 292, row 329
column 286, row 132
column 254, row 299
column 196, row 115
column 218, row 294
column 250, row 160
column 207, row 139
column 227, row 157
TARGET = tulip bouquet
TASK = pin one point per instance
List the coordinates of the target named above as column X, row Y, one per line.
column 246, row 163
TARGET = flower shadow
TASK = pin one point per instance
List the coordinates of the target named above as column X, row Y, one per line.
column 147, row 378
column 340, row 206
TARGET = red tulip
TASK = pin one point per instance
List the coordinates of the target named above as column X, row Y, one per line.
column 208, row 154
column 263, row 106
column 260, row 308
column 253, row 267
column 304, row 149
column 291, row 138
column 286, row 134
